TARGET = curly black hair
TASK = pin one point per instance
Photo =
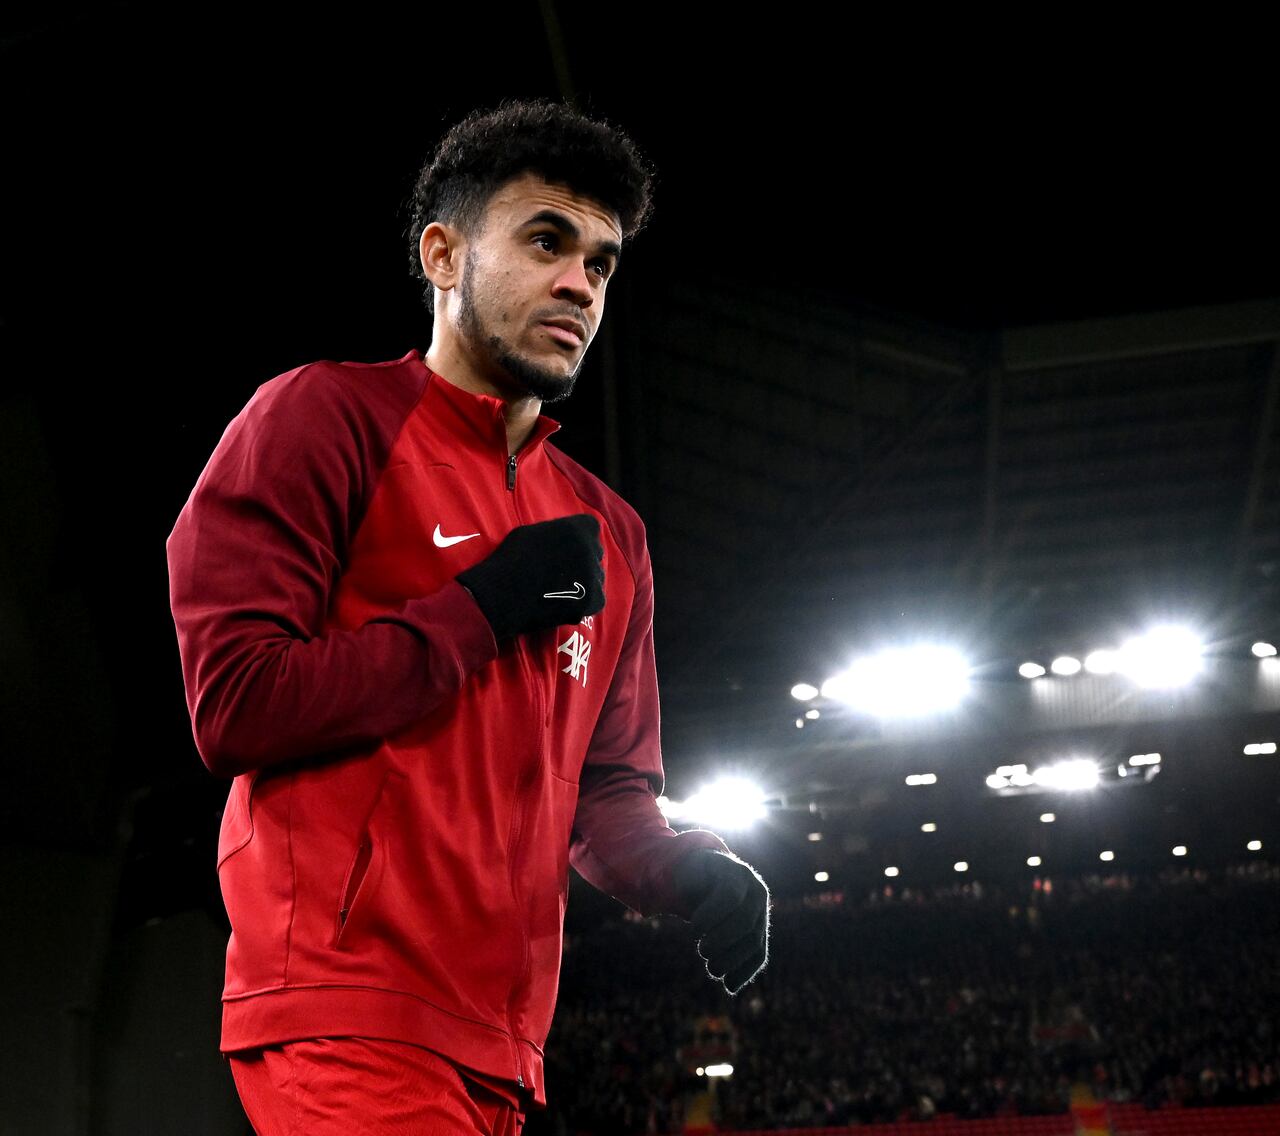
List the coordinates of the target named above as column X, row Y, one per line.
column 489, row 148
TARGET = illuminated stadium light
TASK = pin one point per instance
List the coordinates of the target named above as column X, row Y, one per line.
column 891, row 872
column 1145, row 759
column 799, row 723
column 1047, row 818
column 821, row 877
column 815, row 836
column 961, row 865
column 813, row 715
column 928, row 826
column 729, row 803
column 1164, row 657
column 995, row 781
column 1179, row 849
column 803, row 691
column 922, row 778
column 1033, row 861
column 1108, row 856
column 1102, row 662
column 905, row 682
column 1264, row 650
column 723, row 1070
column 1065, row 665
column 1068, row 776
column 1031, row 670
column 1260, row 747
column 1254, row 846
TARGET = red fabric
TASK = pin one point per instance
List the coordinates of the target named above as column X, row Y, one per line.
column 354, row 1086
column 408, row 796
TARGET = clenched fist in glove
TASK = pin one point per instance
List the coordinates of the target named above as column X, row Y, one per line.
column 541, row 575
column 730, row 906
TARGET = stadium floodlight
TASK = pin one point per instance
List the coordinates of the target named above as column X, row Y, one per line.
column 804, row 692
column 961, row 865
column 1068, row 776
column 1108, row 855
column 995, row 781
column 1264, row 650
column 729, row 803
column 1031, row 670
column 1065, row 665
column 821, row 877
column 799, row 723
column 928, row 826
column 1033, row 861
column 1179, row 849
column 722, row 1070
column 1165, row 657
column 891, row 872
column 813, row 715
column 1254, row 748
column 1047, row 818
column 1101, row 662
column 1254, row 845
column 815, row 836
column 922, row 778
column 1145, row 759
column 903, row 682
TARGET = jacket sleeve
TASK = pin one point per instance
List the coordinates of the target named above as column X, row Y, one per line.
column 621, row 843
column 253, row 560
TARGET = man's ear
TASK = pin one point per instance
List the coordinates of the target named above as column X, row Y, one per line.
column 441, row 250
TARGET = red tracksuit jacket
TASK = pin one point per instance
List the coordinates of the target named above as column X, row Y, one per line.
column 408, row 796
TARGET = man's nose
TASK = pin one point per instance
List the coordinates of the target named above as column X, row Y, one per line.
column 573, row 284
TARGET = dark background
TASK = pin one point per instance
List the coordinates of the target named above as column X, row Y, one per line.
column 199, row 199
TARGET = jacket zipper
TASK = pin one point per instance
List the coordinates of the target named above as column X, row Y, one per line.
column 511, row 473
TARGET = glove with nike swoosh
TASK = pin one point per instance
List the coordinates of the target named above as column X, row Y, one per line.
column 540, row 575
column 730, row 914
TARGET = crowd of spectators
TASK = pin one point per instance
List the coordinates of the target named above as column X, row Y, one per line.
column 970, row 1000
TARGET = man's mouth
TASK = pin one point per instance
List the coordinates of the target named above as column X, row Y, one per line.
column 568, row 332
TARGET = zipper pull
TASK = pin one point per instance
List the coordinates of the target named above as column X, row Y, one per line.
column 511, row 472
column 520, row 1080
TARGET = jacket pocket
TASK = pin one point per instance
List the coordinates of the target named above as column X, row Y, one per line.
column 351, row 886
column 236, row 829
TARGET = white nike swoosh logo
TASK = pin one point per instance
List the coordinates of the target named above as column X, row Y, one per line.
column 443, row 541
column 577, row 594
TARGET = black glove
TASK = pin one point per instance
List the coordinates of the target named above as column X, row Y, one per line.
column 541, row 575
column 730, row 905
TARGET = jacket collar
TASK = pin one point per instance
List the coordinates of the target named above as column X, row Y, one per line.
column 480, row 416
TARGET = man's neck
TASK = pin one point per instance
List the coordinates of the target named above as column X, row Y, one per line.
column 519, row 410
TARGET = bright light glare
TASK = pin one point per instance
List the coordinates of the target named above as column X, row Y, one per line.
column 1145, row 759
column 961, row 866
column 1100, row 662
column 1047, row 818
column 1260, row 747
column 821, row 877
column 813, row 715
column 922, row 778
column 928, row 826
column 1254, row 845
column 1033, row 861
column 995, row 781
column 1264, row 650
column 1179, row 849
column 891, row 872
column 903, row 682
column 730, row 803
column 804, row 691
column 799, row 723
column 1068, row 776
column 1065, row 665
column 1106, row 856
column 1165, row 656
column 815, row 836
column 1031, row 670
column 725, row 1070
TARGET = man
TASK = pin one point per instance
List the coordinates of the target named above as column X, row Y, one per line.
column 419, row 637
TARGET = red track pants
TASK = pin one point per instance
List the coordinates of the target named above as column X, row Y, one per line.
column 353, row 1086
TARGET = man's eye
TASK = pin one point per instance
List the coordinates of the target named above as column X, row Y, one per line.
column 545, row 241
column 601, row 268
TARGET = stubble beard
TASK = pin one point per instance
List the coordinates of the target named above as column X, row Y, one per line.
column 542, row 383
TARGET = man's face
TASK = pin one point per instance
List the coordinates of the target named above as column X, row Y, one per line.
column 533, row 282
